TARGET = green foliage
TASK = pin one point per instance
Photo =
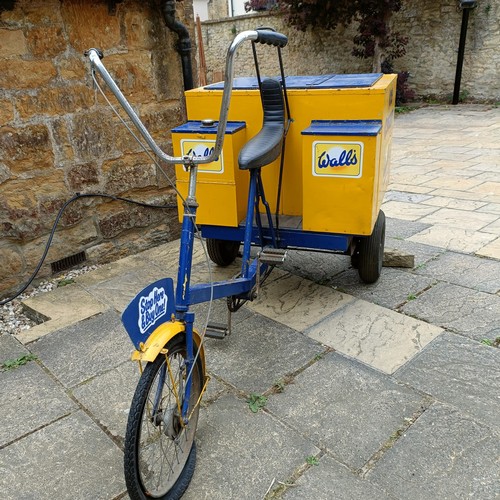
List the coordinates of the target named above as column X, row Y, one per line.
column 65, row 282
column 11, row 364
column 400, row 110
column 375, row 39
column 491, row 343
column 312, row 460
column 279, row 385
column 256, row 402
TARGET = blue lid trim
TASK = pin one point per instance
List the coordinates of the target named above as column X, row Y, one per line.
column 308, row 82
column 344, row 127
column 196, row 127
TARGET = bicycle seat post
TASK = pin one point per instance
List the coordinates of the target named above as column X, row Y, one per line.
column 187, row 240
column 192, row 168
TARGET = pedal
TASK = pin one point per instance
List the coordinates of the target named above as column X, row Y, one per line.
column 217, row 331
column 272, row 256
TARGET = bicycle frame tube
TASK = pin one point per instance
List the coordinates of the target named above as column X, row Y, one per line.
column 186, row 247
column 252, row 191
column 189, row 364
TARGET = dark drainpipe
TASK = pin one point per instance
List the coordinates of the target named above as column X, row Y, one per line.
column 184, row 43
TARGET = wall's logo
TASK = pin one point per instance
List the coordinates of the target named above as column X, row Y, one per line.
column 337, row 159
column 152, row 307
column 202, row 149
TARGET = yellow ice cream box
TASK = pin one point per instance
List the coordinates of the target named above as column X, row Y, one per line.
column 341, row 109
column 222, row 188
column 342, row 176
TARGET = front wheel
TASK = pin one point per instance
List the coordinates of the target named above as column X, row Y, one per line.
column 160, row 453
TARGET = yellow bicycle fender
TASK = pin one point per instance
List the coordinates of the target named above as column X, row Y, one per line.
column 160, row 337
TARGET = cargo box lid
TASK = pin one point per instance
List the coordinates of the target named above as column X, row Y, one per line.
column 308, row 82
column 343, row 127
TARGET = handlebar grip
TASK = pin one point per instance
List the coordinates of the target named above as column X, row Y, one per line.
column 99, row 52
column 271, row 38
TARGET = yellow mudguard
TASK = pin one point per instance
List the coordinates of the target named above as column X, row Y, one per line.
column 160, row 337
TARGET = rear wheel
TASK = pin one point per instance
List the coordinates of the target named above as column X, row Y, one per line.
column 371, row 252
column 355, row 254
column 160, row 453
column 222, row 252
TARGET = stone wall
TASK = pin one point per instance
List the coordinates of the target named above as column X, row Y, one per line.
column 217, row 9
column 58, row 137
column 433, row 29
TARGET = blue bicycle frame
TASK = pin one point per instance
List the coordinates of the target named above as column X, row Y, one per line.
column 157, row 303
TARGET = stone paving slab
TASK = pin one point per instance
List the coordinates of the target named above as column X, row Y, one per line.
column 465, row 270
column 11, row 348
column 377, row 336
column 460, row 309
column 452, row 181
column 109, row 271
column 117, row 292
column 69, row 459
column 491, row 208
column 393, row 288
column 409, row 188
column 218, row 314
column 200, row 272
column 29, row 399
column 215, row 389
column 166, row 256
column 296, row 302
column 460, row 372
column 407, row 211
column 406, row 197
column 444, row 454
column 108, row 396
column 453, row 238
column 491, row 249
column 464, row 219
column 494, row 227
column 259, row 353
column 322, row 268
column 455, row 203
column 59, row 307
column 460, row 195
column 81, row 351
column 332, row 480
column 240, row 452
column 345, row 407
column 402, row 229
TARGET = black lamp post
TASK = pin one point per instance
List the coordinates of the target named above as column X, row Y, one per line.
column 466, row 6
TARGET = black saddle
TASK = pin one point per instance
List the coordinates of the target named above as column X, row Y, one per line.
column 265, row 147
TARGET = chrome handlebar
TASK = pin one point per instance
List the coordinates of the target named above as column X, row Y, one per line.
column 95, row 59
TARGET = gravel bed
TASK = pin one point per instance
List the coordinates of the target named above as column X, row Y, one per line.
column 13, row 319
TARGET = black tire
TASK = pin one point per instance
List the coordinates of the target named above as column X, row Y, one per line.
column 160, row 455
column 371, row 252
column 355, row 255
column 222, row 252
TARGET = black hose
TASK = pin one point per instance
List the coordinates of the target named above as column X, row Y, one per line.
column 54, row 226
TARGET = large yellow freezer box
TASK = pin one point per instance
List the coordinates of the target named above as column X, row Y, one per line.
column 353, row 202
